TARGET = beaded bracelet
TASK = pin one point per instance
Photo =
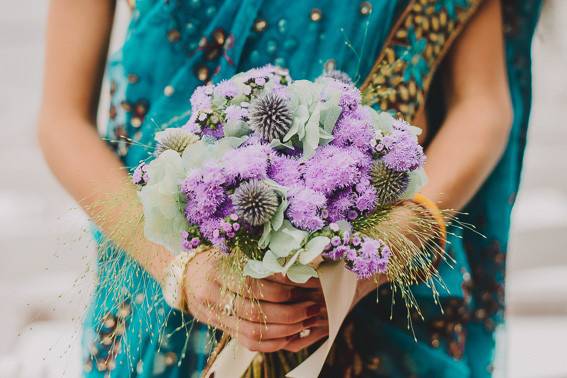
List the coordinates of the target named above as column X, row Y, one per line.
column 172, row 287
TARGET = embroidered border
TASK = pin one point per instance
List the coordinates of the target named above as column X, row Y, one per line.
column 402, row 73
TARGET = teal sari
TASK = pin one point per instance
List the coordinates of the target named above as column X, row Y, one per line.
column 174, row 46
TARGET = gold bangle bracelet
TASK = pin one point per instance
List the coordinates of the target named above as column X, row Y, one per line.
column 436, row 214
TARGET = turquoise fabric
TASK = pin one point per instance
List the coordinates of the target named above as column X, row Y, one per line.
column 172, row 45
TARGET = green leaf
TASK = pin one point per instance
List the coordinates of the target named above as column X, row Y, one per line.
column 278, row 217
column 256, row 269
column 330, row 112
column 301, row 273
column 236, row 129
column 264, row 240
column 311, row 141
column 286, row 239
column 278, row 145
column 271, row 263
column 313, row 248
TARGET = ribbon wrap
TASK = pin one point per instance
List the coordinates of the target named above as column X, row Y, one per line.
column 339, row 288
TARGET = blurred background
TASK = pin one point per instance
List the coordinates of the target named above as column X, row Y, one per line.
column 46, row 249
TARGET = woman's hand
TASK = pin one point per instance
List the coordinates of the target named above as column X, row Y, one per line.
column 265, row 315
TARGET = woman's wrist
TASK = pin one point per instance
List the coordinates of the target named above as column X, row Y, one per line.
column 173, row 282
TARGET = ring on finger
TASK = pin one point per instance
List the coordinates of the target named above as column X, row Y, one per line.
column 303, row 334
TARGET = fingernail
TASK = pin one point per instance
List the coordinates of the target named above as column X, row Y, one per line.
column 314, row 309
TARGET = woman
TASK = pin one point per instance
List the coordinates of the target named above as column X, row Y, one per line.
column 459, row 69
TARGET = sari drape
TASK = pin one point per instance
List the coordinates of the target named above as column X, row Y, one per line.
column 173, row 46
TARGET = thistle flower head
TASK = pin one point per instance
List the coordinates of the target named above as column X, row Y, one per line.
column 255, row 202
column 174, row 139
column 270, row 116
column 389, row 184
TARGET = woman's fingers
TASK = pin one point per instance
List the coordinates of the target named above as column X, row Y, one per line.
column 298, row 343
column 267, row 291
column 271, row 290
column 276, row 313
column 312, row 283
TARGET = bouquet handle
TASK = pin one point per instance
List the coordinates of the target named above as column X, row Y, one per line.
column 339, row 288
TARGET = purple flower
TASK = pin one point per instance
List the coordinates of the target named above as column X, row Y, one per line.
column 204, row 193
column 403, row 151
column 339, row 203
column 227, row 89
column 192, row 126
column 352, row 214
column 235, row 113
column 333, row 168
column 195, row 242
column 248, row 162
column 335, row 241
column 353, row 131
column 356, row 240
column 365, row 197
column 370, row 259
column 140, row 175
column 201, row 98
column 338, row 253
column 284, row 170
column 216, row 132
column 304, row 208
column 350, row 95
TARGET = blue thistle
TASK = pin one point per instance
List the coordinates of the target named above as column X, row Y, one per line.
column 270, row 116
column 255, row 202
column 389, row 184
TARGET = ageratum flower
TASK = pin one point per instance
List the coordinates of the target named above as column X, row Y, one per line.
column 389, row 184
column 353, row 130
column 175, row 139
column 285, row 170
column 202, row 98
column 339, row 76
column 140, row 175
column 255, row 202
column 404, row 153
column 305, row 207
column 333, row 168
column 270, row 116
column 370, row 259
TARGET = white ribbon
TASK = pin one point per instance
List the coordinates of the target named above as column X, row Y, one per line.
column 339, row 287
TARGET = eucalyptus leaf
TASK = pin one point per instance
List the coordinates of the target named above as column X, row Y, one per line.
column 286, row 239
column 278, row 145
column 301, row 273
column 264, row 240
column 330, row 113
column 311, row 141
column 236, row 129
column 313, row 249
column 256, row 269
column 278, row 217
column 271, row 263
column 291, row 260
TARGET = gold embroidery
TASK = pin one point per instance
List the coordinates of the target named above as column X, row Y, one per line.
column 401, row 76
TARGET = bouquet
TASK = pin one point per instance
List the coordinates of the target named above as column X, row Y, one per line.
column 294, row 177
